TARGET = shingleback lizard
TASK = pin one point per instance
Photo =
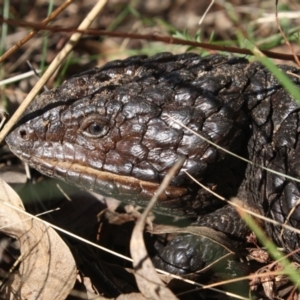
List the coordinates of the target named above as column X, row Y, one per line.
column 108, row 130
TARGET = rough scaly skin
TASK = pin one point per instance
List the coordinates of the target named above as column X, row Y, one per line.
column 108, row 130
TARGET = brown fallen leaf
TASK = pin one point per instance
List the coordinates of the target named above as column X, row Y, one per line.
column 148, row 281
column 132, row 296
column 46, row 268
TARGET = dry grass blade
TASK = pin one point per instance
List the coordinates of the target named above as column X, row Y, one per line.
column 289, row 216
column 207, row 10
column 52, row 68
column 18, row 77
column 147, row 279
column 47, row 269
column 231, row 153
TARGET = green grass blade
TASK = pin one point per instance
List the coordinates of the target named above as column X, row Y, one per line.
column 293, row 274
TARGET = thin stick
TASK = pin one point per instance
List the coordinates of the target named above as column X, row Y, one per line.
column 148, row 37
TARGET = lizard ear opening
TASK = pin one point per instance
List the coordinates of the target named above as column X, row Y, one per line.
column 94, row 126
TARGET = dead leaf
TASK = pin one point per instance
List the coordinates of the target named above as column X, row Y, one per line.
column 148, row 281
column 146, row 276
column 46, row 269
column 132, row 296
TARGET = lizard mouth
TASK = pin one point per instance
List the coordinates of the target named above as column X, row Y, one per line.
column 113, row 184
column 123, row 188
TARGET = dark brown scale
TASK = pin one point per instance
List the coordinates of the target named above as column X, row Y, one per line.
column 108, row 130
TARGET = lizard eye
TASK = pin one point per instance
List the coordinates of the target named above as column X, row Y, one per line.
column 94, row 127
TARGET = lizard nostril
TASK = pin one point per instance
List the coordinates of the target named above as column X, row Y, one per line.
column 23, row 134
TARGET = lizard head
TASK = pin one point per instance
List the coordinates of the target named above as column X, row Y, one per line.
column 109, row 130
